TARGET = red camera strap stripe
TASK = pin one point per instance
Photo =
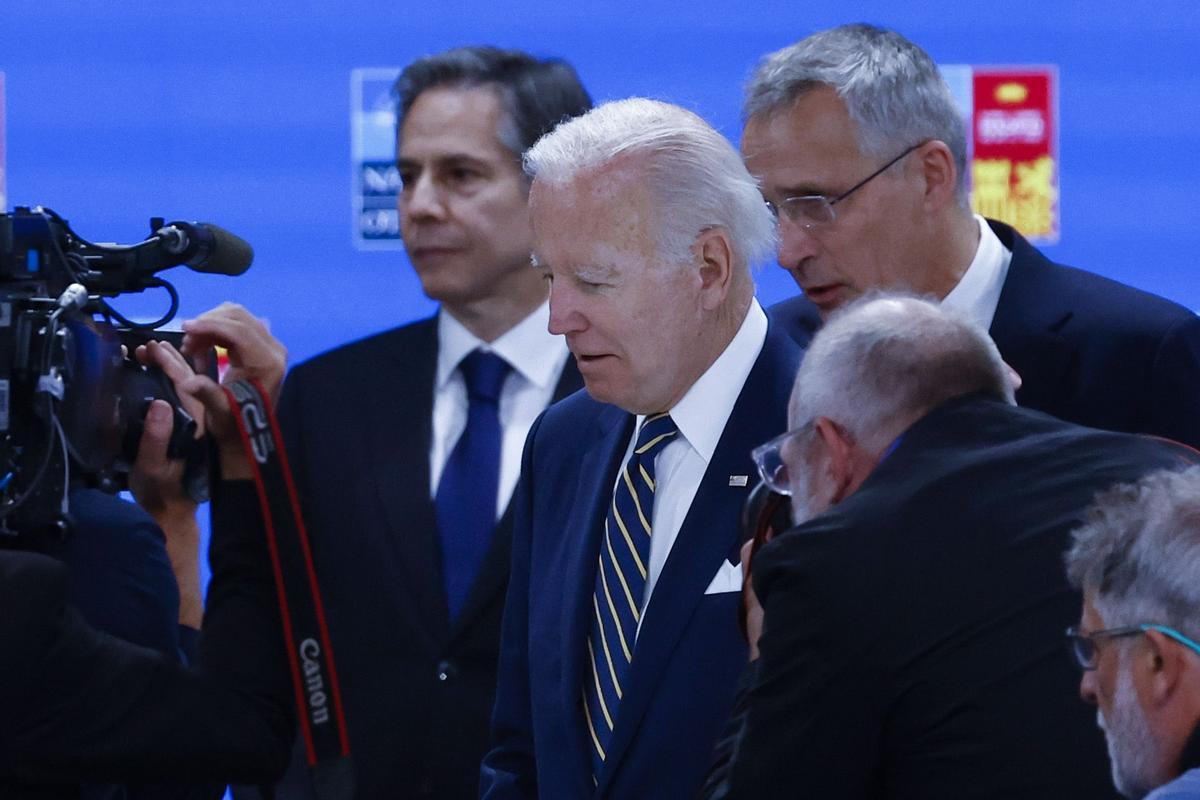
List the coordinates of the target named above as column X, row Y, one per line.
column 306, row 635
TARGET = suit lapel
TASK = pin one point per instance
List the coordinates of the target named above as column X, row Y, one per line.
column 493, row 573
column 710, row 534
column 582, row 534
column 397, row 456
column 1028, row 323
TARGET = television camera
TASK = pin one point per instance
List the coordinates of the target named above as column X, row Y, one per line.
column 72, row 403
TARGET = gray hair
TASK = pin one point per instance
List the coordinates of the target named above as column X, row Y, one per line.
column 1138, row 553
column 693, row 172
column 886, row 360
column 892, row 89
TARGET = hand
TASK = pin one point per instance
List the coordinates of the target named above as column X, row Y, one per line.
column 253, row 354
column 754, row 610
column 157, row 483
column 156, row 480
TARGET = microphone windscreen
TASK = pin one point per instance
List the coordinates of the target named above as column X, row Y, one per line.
column 227, row 254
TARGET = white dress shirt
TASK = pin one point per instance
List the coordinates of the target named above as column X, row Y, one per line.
column 978, row 290
column 700, row 415
column 536, row 357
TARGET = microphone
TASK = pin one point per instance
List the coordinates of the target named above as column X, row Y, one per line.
column 206, row 248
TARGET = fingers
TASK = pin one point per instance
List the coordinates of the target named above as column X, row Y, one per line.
column 177, row 369
column 152, row 448
column 211, row 396
column 233, row 327
column 253, row 351
column 166, row 358
column 221, row 425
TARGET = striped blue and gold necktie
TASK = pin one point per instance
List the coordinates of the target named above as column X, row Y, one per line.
column 620, row 585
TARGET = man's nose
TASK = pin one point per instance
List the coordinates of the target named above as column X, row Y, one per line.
column 1087, row 686
column 565, row 314
column 421, row 199
column 796, row 244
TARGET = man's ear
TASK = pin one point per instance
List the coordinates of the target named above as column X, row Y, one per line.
column 1162, row 663
column 939, row 174
column 716, row 266
column 841, row 461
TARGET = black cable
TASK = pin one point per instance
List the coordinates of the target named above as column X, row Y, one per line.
column 158, row 323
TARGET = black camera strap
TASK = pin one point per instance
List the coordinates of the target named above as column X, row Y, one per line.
column 318, row 695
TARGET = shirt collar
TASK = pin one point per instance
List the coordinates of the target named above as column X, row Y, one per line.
column 703, row 411
column 978, row 290
column 528, row 347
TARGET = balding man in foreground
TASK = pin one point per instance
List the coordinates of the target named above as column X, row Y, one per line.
column 912, row 630
column 620, row 648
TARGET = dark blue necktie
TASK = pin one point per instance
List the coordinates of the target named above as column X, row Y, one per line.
column 621, row 572
column 466, row 495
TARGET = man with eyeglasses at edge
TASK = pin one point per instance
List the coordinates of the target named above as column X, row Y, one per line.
column 1135, row 560
column 862, row 153
column 911, row 628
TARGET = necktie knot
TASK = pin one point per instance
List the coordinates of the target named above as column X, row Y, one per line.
column 658, row 430
column 484, row 374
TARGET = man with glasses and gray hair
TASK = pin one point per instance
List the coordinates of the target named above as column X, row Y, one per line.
column 911, row 628
column 862, row 153
column 1136, row 562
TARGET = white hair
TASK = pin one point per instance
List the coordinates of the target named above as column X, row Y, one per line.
column 886, row 360
column 892, row 89
column 1138, row 554
column 693, row 172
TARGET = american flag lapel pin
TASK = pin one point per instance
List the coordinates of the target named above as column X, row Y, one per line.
column 739, row 480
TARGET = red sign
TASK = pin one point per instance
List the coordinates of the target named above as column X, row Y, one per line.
column 1014, row 166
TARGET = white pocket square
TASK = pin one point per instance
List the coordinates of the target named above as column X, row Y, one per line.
column 727, row 579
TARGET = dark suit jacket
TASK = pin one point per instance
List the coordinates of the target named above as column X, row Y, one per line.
column 81, row 705
column 913, row 640
column 418, row 690
column 689, row 652
column 1089, row 350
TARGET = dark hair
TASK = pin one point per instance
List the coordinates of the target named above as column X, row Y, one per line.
column 536, row 94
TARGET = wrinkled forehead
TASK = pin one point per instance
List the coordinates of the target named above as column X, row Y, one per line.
column 602, row 218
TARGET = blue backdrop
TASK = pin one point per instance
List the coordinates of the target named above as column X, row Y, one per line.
column 237, row 113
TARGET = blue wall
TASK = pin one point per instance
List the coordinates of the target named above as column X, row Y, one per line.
column 238, row 113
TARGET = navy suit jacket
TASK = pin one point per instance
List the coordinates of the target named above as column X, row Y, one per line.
column 689, row 652
column 1089, row 350
column 418, row 688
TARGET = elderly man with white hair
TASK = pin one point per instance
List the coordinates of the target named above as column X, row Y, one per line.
column 1136, row 561
column 620, row 649
column 912, row 622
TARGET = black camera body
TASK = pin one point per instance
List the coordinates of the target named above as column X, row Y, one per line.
column 71, row 403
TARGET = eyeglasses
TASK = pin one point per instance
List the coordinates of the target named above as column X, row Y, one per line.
column 769, row 459
column 811, row 210
column 1083, row 645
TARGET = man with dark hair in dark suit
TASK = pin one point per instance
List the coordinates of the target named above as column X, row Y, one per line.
column 911, row 628
column 861, row 150
column 406, row 445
